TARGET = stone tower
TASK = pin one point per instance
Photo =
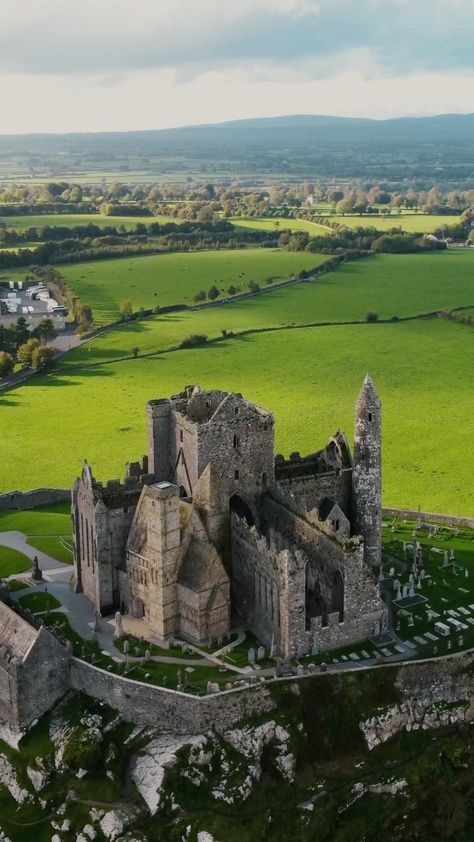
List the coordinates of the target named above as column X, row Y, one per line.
column 367, row 472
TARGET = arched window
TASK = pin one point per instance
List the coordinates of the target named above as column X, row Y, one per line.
column 236, row 441
column 264, row 479
column 370, row 416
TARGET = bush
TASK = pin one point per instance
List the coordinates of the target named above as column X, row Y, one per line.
column 254, row 287
column 200, row 296
column 81, row 754
column 213, row 293
column 6, row 363
column 232, row 290
column 193, row 340
column 372, row 316
column 25, row 352
column 42, row 358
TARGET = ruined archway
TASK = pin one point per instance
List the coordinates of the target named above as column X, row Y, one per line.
column 241, row 508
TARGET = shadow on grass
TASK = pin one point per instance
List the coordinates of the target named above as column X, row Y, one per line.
column 55, row 379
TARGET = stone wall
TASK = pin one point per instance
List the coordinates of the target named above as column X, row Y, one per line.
column 169, row 710
column 430, row 517
column 34, row 498
column 312, row 490
column 426, row 688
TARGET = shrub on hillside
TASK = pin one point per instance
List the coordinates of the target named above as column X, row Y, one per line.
column 372, row 316
column 193, row 340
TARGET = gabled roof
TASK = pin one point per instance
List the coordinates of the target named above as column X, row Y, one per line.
column 16, row 635
column 201, row 567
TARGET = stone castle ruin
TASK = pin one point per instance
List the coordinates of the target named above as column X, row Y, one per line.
column 213, row 531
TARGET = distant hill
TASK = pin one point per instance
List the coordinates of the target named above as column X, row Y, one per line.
column 435, row 148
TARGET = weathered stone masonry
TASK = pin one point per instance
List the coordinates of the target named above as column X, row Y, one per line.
column 173, row 544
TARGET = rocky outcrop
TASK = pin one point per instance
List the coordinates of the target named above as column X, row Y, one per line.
column 411, row 715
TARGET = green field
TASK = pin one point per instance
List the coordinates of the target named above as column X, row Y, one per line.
column 176, row 278
column 415, row 223
column 391, row 285
column 70, row 220
column 47, row 528
column 309, row 378
column 265, row 223
column 419, row 223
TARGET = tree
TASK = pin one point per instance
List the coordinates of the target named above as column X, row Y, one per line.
column 372, row 316
column 6, row 363
column 135, row 352
column 232, row 290
column 42, row 358
column 45, row 331
column 126, row 309
column 200, row 296
column 213, row 293
column 25, row 352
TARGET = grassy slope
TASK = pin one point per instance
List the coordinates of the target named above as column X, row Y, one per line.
column 309, row 378
column 389, row 284
column 176, row 278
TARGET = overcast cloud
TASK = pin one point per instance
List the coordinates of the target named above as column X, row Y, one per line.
column 76, row 50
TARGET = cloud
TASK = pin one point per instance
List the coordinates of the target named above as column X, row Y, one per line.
column 115, row 37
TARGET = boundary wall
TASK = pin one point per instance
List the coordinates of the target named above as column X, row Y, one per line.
column 34, row 498
column 431, row 517
column 421, row 684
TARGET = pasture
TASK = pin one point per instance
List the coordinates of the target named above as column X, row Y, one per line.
column 309, row 377
column 391, row 285
column 70, row 220
column 421, row 223
column 411, row 222
column 176, row 278
column 266, row 223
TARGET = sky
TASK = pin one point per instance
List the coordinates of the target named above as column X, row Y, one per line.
column 116, row 65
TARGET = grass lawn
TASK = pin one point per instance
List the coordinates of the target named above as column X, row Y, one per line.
column 48, row 528
column 308, row 377
column 12, row 561
column 39, row 602
column 176, row 278
column 22, row 223
column 391, row 285
column 55, row 546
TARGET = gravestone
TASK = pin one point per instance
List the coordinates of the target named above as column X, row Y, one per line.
column 147, row 655
column 251, row 655
column 126, row 647
column 391, row 572
column 260, row 653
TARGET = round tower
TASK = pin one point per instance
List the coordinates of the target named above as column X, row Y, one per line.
column 367, row 472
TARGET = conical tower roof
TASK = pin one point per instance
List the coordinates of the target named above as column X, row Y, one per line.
column 368, row 395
